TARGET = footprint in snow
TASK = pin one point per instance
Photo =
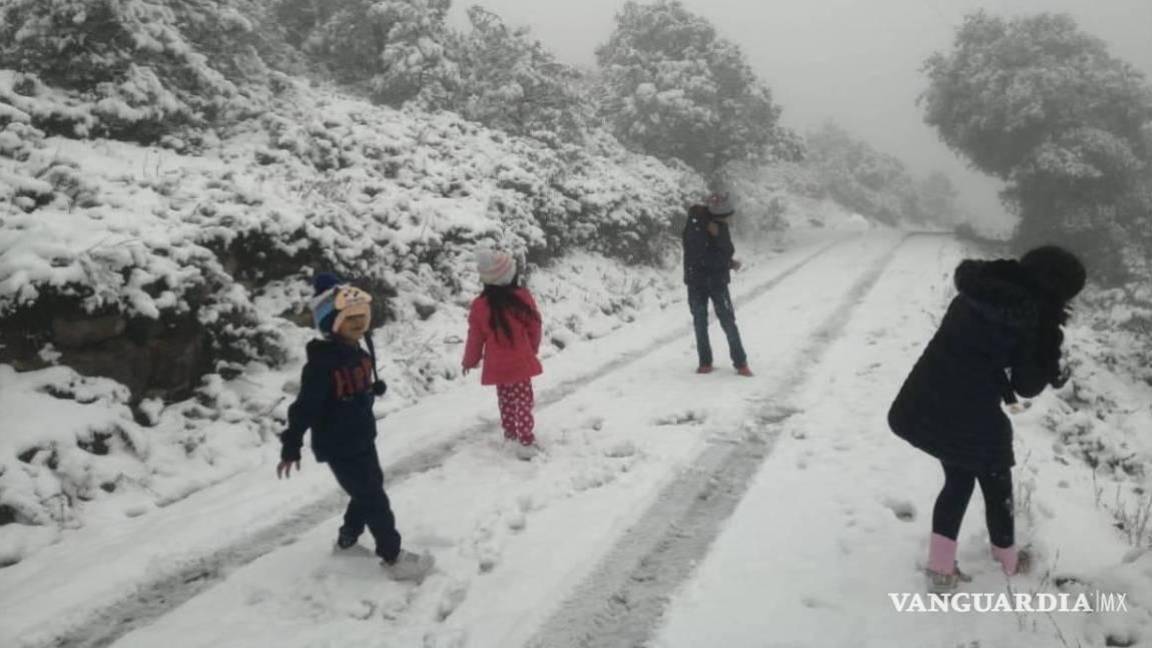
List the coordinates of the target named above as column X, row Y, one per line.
column 442, row 638
column 516, row 520
column 363, row 610
column 904, row 510
column 687, row 417
column 453, row 595
column 621, row 450
column 594, row 477
column 815, row 603
column 485, row 549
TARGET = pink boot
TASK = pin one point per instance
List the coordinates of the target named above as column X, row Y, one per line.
column 1012, row 560
column 941, row 555
column 944, row 576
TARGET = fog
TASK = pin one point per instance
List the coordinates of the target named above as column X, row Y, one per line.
column 855, row 62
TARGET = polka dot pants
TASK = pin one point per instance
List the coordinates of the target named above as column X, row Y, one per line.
column 516, row 403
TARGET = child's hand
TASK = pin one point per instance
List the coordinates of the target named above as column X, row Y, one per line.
column 284, row 469
column 288, row 456
column 1017, row 408
column 464, row 370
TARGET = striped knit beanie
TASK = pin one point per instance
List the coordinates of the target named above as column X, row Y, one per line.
column 495, row 268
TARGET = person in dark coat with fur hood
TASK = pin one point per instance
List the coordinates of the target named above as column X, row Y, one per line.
column 1000, row 339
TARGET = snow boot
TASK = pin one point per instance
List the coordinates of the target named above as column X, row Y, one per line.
column 704, row 369
column 743, row 370
column 939, row 583
column 943, row 573
column 409, row 566
column 527, row 452
column 1012, row 560
column 345, row 541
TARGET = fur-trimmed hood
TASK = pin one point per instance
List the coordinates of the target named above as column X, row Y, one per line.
column 1001, row 289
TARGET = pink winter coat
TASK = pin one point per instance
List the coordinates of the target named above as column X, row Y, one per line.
column 505, row 361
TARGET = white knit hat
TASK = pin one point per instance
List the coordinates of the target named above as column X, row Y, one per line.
column 495, row 268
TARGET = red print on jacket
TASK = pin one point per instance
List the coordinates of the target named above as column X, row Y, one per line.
column 353, row 380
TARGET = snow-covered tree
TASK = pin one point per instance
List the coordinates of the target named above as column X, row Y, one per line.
column 676, row 89
column 147, row 66
column 397, row 47
column 937, row 198
column 856, row 175
column 1010, row 87
column 1044, row 106
column 509, row 81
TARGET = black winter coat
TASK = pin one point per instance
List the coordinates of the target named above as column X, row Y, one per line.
column 985, row 352
column 335, row 402
column 707, row 258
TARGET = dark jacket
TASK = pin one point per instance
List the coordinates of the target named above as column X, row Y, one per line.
column 985, row 352
column 707, row 258
column 335, row 402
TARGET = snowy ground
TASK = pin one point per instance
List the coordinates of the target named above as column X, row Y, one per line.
column 771, row 511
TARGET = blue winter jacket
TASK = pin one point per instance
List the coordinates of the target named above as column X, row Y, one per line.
column 335, row 402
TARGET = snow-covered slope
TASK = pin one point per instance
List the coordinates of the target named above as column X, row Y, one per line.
column 144, row 263
column 179, row 273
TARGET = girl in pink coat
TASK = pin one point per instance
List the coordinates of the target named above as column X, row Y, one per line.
column 504, row 329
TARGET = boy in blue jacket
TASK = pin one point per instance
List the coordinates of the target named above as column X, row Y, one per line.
column 338, row 386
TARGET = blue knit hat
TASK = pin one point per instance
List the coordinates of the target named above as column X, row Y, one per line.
column 324, row 300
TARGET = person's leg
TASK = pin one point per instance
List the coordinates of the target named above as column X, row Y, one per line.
column 505, row 395
column 726, row 313
column 353, row 525
column 698, row 305
column 947, row 516
column 1000, row 515
column 525, row 402
column 360, row 476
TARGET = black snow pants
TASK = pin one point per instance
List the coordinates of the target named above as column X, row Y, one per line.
column 361, row 477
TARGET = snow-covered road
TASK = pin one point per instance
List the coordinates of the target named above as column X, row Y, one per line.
column 513, row 539
column 670, row 509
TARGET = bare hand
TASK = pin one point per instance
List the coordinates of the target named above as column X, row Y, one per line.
column 466, row 370
column 714, row 229
column 1016, row 408
column 284, row 469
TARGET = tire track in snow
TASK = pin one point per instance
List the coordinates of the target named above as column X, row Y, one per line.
column 623, row 599
column 181, row 582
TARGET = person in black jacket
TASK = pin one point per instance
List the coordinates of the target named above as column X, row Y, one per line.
column 338, row 386
column 1001, row 337
column 708, row 265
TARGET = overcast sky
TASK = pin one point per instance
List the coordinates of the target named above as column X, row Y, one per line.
column 854, row 61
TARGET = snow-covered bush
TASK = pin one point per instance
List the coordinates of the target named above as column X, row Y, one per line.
column 1103, row 416
column 510, row 82
column 1045, row 107
column 396, row 200
column 396, row 48
column 676, row 89
column 139, row 68
column 861, row 178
